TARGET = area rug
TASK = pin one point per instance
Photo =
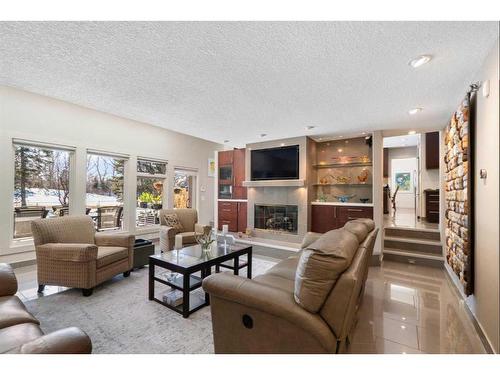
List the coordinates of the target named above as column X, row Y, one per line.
column 119, row 318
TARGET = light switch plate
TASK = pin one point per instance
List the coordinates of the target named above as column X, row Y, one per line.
column 486, row 88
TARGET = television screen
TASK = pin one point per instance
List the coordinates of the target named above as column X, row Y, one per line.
column 280, row 163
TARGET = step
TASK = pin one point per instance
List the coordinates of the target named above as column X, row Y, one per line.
column 414, row 245
column 427, row 234
column 416, row 258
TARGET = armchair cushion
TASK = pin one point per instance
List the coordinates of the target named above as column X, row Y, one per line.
column 320, row 266
column 12, row 312
column 172, row 220
column 66, row 229
column 64, row 341
column 8, row 281
column 69, row 252
column 110, row 254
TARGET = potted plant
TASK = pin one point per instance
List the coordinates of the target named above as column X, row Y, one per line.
column 144, row 199
column 156, row 202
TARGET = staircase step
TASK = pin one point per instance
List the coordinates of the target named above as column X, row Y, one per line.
column 424, row 234
column 414, row 245
column 417, row 258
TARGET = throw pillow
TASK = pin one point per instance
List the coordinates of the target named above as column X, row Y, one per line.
column 172, row 220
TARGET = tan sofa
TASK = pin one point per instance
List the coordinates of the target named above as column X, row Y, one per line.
column 188, row 217
column 70, row 253
column 20, row 331
column 263, row 315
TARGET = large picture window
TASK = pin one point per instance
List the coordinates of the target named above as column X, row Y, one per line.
column 41, row 186
column 151, row 177
column 105, row 190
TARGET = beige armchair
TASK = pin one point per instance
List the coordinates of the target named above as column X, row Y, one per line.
column 188, row 218
column 70, row 253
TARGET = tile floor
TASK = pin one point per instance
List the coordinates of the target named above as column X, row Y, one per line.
column 405, row 217
column 406, row 309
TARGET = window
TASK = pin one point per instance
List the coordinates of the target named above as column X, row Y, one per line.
column 41, row 185
column 151, row 176
column 184, row 188
column 104, row 199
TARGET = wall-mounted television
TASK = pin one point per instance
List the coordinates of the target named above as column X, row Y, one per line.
column 279, row 163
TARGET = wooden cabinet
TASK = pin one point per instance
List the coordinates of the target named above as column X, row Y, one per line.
column 226, row 157
column 385, row 162
column 328, row 217
column 432, row 150
column 242, row 216
column 233, row 214
column 239, row 191
column 432, row 205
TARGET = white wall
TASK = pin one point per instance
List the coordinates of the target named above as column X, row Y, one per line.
column 404, row 199
column 34, row 117
column 484, row 303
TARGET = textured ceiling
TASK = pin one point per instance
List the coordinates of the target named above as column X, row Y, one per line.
column 401, row 141
column 236, row 80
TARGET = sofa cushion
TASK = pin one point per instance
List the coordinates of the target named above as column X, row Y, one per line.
column 370, row 224
column 360, row 230
column 320, row 265
column 17, row 335
column 107, row 255
column 286, row 268
column 12, row 312
column 276, row 282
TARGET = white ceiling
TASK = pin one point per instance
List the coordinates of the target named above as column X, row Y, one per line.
column 410, row 140
column 236, row 80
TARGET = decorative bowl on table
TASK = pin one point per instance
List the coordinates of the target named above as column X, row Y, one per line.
column 344, row 198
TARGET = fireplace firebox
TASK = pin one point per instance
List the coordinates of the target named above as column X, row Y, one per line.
column 280, row 218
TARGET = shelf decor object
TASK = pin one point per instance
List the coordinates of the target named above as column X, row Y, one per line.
column 459, row 220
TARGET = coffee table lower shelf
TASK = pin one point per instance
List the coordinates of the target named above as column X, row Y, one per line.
column 195, row 303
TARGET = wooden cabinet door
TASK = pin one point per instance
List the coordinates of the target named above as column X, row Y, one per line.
column 239, row 191
column 322, row 218
column 242, row 217
column 225, row 157
column 228, row 214
column 432, row 150
column 346, row 213
column 386, row 162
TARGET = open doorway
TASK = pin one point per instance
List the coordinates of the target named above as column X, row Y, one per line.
column 411, row 180
column 185, row 188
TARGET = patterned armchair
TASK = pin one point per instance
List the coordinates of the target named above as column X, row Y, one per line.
column 188, row 220
column 70, row 253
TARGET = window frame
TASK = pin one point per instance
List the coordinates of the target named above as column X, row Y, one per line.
column 164, row 194
column 17, row 142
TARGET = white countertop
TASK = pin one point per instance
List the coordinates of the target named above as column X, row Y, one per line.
column 233, row 200
column 343, row 204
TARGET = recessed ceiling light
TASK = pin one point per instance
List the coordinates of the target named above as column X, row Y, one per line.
column 341, row 136
column 282, row 144
column 263, row 135
column 363, row 133
column 226, row 140
column 414, row 111
column 319, row 139
column 412, row 132
column 340, row 150
column 417, row 62
column 310, row 127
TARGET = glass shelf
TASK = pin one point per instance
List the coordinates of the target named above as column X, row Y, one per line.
column 342, row 185
column 343, row 165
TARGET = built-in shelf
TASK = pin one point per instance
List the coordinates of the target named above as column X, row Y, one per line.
column 356, row 204
column 343, row 165
column 275, row 183
column 350, row 185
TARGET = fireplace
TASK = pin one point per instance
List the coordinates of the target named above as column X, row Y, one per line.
column 279, row 218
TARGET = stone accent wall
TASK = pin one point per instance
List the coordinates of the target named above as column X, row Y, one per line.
column 457, row 180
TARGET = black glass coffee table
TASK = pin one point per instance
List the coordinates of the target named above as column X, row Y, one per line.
column 187, row 261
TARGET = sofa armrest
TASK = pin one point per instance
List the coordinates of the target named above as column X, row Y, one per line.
column 8, row 281
column 115, row 239
column 309, row 238
column 273, row 301
column 69, row 252
column 200, row 228
column 64, row 341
